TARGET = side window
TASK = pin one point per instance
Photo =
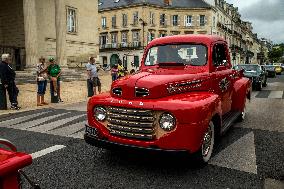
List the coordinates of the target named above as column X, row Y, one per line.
column 219, row 55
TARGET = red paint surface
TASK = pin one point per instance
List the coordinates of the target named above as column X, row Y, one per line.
column 10, row 163
column 193, row 108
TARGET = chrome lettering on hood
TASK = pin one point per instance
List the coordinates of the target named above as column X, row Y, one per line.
column 125, row 102
column 183, row 86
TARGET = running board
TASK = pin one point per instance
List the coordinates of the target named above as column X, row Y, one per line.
column 228, row 119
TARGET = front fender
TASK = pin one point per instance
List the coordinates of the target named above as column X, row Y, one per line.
column 193, row 107
column 241, row 92
column 193, row 112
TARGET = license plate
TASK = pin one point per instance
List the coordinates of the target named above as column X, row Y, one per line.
column 91, row 131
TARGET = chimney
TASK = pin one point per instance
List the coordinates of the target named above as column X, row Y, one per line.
column 168, row 2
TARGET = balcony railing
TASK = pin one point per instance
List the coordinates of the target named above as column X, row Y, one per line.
column 131, row 45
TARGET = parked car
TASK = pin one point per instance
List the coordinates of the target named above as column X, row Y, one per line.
column 270, row 69
column 278, row 69
column 179, row 102
column 255, row 73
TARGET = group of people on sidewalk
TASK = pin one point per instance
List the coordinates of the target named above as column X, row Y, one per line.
column 52, row 71
column 118, row 71
column 43, row 72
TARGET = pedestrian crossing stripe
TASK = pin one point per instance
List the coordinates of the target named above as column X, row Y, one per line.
column 270, row 94
column 57, row 122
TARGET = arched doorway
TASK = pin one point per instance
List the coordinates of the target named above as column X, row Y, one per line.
column 113, row 59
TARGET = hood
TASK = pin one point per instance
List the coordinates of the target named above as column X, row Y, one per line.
column 251, row 73
column 159, row 82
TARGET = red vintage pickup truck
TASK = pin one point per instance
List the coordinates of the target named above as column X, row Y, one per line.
column 184, row 96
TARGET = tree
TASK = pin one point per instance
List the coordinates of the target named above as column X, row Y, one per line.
column 277, row 53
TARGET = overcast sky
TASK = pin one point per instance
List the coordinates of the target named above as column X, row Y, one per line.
column 267, row 17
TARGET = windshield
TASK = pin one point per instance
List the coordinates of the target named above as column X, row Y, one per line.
column 249, row 67
column 185, row 54
column 269, row 67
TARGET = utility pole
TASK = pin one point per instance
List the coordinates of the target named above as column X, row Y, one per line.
column 143, row 24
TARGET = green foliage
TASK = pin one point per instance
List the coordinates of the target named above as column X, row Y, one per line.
column 277, row 53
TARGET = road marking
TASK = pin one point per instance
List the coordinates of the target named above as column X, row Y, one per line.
column 9, row 122
column 79, row 135
column 49, row 126
column 239, row 156
column 29, row 124
column 275, row 94
column 68, row 130
column 47, row 151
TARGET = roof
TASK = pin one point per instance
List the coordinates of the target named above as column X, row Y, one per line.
column 110, row 4
column 192, row 38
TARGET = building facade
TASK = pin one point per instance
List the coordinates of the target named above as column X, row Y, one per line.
column 126, row 27
column 64, row 29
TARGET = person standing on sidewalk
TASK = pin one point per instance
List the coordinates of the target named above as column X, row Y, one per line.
column 93, row 80
column 121, row 70
column 8, row 75
column 54, row 72
column 114, row 71
column 41, row 82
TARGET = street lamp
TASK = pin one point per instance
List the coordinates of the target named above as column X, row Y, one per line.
column 143, row 24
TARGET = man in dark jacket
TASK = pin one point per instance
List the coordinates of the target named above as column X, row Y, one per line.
column 7, row 75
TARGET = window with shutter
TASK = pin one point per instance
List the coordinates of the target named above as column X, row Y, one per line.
column 124, row 20
column 113, row 22
column 71, row 20
column 103, row 22
column 175, row 20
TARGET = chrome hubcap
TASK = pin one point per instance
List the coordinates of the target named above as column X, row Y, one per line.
column 244, row 113
column 207, row 140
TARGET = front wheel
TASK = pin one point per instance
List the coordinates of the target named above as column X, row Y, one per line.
column 203, row 155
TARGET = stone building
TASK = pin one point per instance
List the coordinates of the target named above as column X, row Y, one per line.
column 65, row 29
column 127, row 26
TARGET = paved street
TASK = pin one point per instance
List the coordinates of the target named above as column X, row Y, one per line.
column 250, row 155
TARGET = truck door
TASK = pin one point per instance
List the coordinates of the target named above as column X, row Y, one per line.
column 222, row 83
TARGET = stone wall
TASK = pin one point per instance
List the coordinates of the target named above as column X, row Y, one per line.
column 12, row 23
column 80, row 45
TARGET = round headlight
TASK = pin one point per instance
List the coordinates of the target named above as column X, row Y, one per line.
column 167, row 122
column 100, row 113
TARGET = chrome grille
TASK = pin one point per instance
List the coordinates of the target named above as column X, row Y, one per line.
column 117, row 91
column 141, row 92
column 131, row 123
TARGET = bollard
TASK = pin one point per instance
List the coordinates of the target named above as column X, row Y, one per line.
column 3, row 98
column 54, row 99
column 90, row 88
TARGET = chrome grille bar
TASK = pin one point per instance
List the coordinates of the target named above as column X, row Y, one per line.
column 131, row 117
column 132, row 135
column 131, row 111
column 131, row 129
column 131, row 123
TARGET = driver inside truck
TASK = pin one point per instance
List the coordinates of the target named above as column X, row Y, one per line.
column 169, row 53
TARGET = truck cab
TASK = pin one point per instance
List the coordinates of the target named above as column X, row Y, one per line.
column 184, row 97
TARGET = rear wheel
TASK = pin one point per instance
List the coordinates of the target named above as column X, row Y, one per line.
column 259, row 86
column 242, row 116
column 203, row 155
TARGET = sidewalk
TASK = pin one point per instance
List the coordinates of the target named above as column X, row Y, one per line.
column 71, row 92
